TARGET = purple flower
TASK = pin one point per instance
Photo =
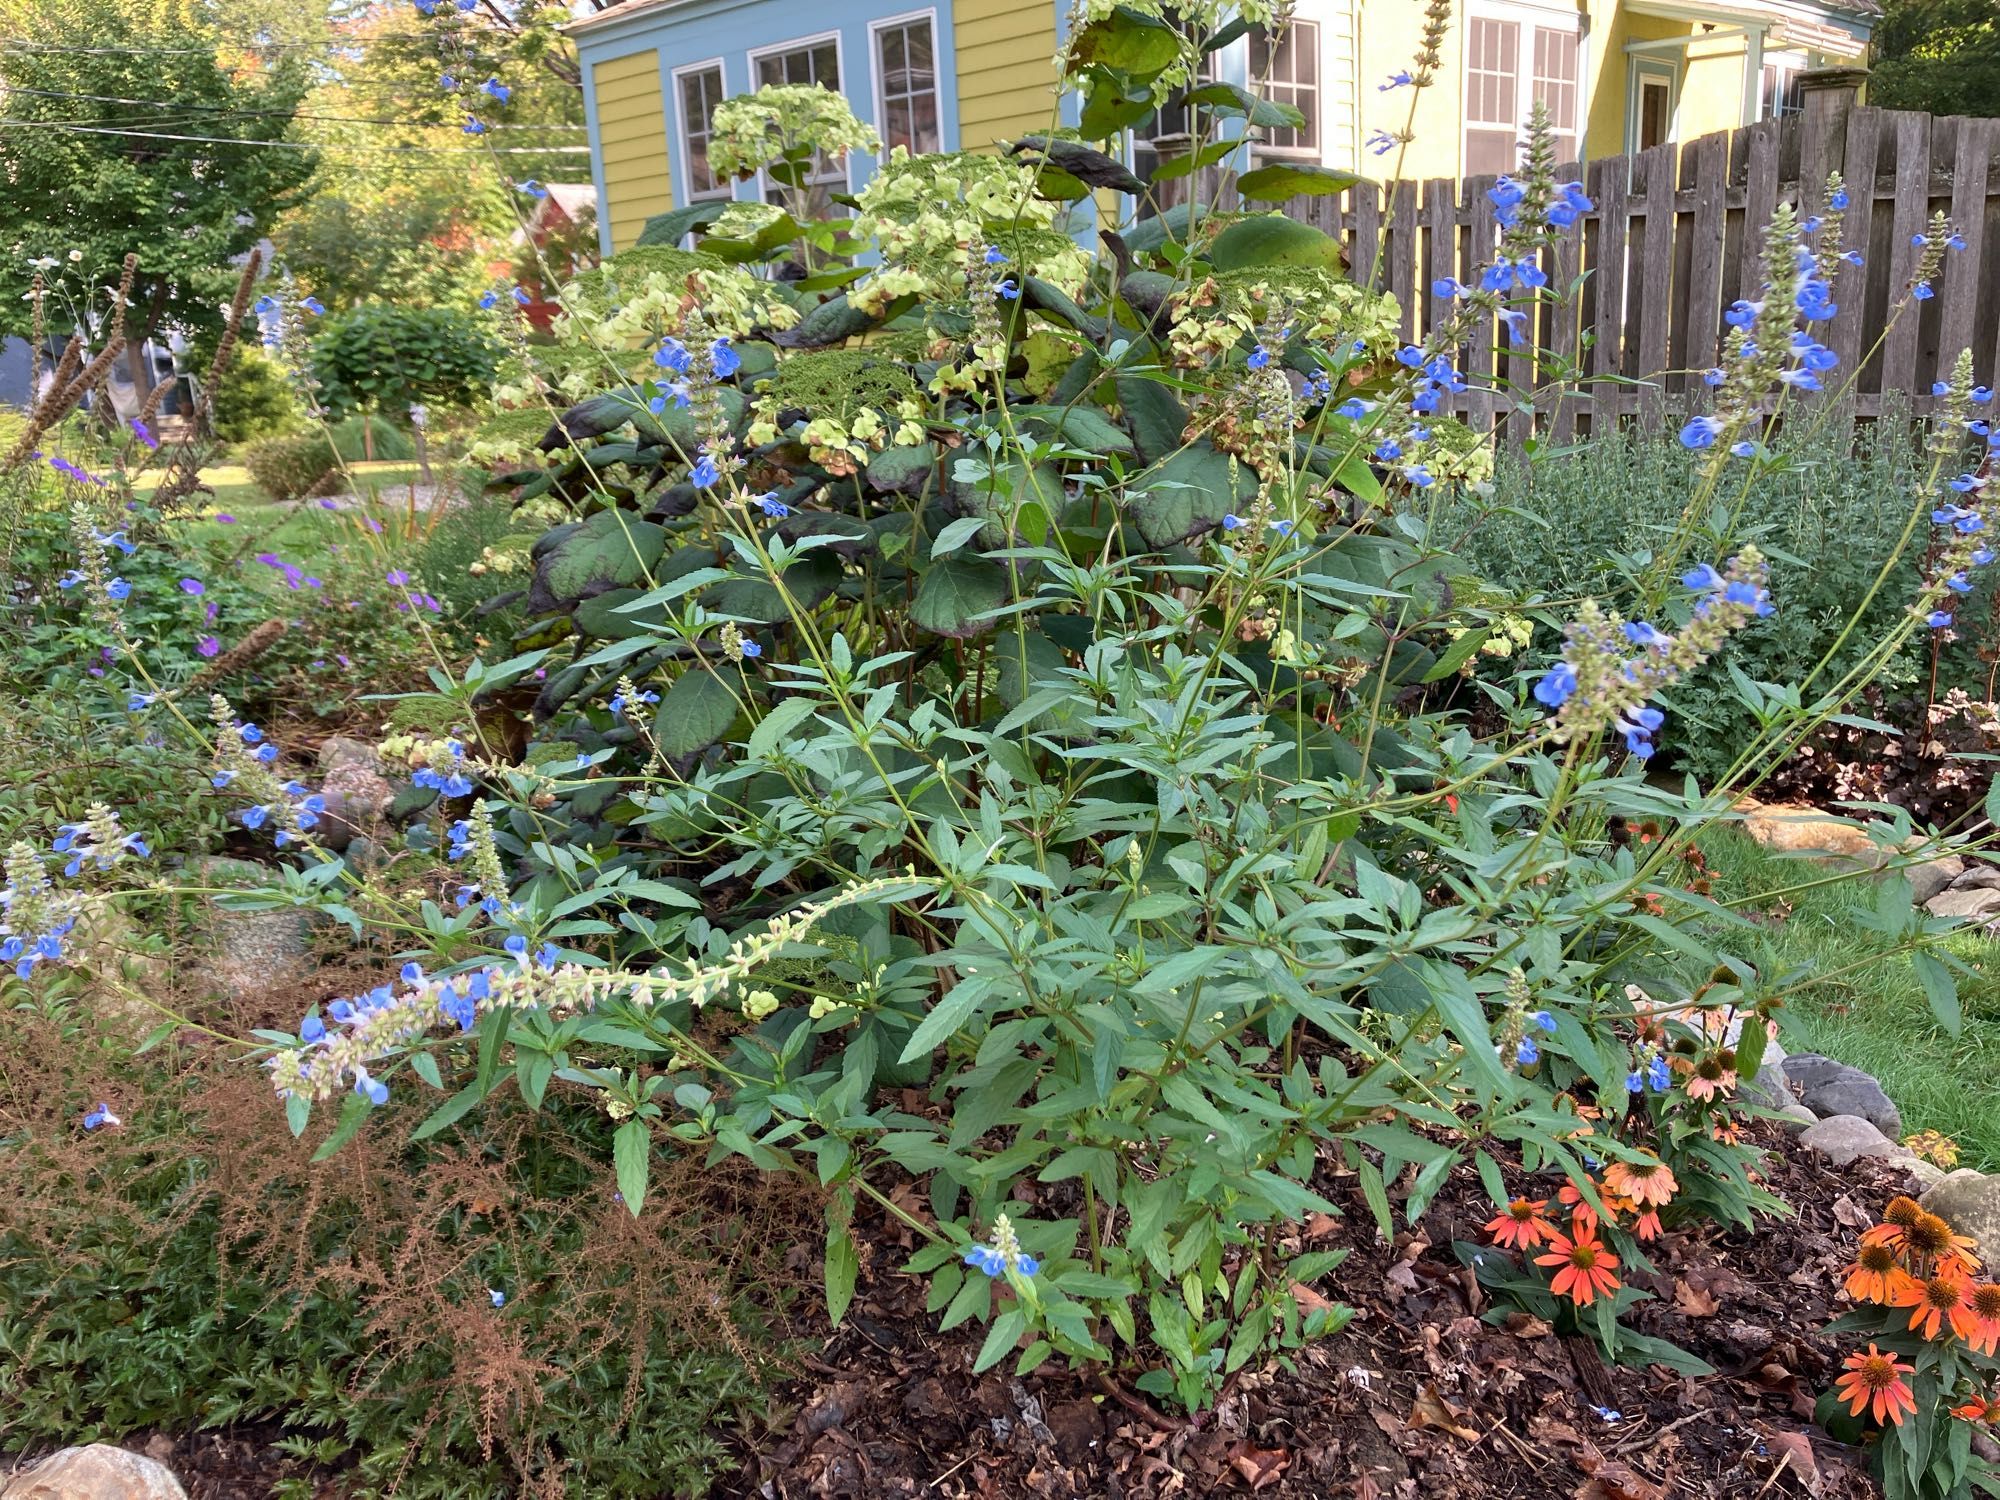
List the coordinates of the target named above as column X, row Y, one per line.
column 208, row 645
column 144, row 434
column 222, row 519
column 398, row 577
column 192, row 586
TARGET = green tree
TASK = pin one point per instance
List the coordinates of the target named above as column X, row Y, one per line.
column 406, row 207
column 1937, row 55
column 91, row 171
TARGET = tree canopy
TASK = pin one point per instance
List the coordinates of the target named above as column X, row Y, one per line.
column 1937, row 55
column 105, row 160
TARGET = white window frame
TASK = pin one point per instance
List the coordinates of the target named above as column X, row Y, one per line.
column 1526, row 16
column 1787, row 63
column 727, row 190
column 844, row 183
column 1644, row 70
column 886, row 23
column 1316, row 151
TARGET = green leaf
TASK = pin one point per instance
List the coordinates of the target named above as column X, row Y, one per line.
column 1233, row 101
column 614, row 549
column 955, row 593
column 352, row 1114
column 957, row 534
column 1085, row 427
column 1273, row 240
column 1158, row 419
column 673, row 226
column 1458, row 653
column 1085, row 163
column 1128, row 41
column 843, row 1257
column 1281, row 180
column 698, row 710
column 903, row 471
column 454, row 1109
column 834, row 321
column 1000, row 1339
column 632, row 1160
column 1188, row 494
column 777, row 726
column 946, row 1017
column 1941, row 989
column 1152, row 233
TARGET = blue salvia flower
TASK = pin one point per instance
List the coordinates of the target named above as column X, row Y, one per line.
column 100, row 1117
column 1002, row 1253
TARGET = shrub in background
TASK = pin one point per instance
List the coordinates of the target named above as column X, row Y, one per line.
column 387, row 359
column 309, row 463
column 253, row 400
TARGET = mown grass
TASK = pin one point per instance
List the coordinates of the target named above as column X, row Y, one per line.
column 1876, row 1016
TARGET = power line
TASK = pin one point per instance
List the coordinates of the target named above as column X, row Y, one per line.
column 218, row 109
column 226, row 140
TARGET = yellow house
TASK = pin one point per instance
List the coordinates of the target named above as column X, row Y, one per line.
column 1617, row 75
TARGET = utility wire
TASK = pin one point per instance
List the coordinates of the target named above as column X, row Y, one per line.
column 226, row 140
column 219, row 109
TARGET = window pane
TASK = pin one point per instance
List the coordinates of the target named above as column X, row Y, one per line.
column 909, row 87
column 1555, row 76
column 700, row 93
column 924, row 123
column 918, row 35
column 1489, row 152
column 1491, row 76
column 1286, row 71
column 825, row 66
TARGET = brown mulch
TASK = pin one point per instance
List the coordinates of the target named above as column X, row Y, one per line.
column 1418, row 1397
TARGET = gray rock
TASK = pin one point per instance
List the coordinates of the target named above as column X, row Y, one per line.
column 272, row 940
column 1970, row 1202
column 1926, row 1175
column 1827, row 1087
column 1843, row 1138
column 1767, row 1090
column 1976, row 901
column 1978, row 877
column 1933, row 876
column 98, row 1472
column 340, row 750
column 1796, row 1118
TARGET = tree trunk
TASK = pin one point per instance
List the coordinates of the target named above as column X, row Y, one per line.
column 137, row 362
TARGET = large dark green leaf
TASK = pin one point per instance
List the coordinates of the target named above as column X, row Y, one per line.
column 1232, row 100
column 1152, row 233
column 1273, row 240
column 1085, row 163
column 1188, row 494
column 955, row 592
column 1017, row 503
column 809, row 581
column 1109, row 107
column 673, row 226
column 902, row 471
column 1086, row 427
column 612, row 550
column 1155, row 413
column 698, row 710
column 834, row 321
column 1047, row 297
column 1129, row 41
column 1282, row 179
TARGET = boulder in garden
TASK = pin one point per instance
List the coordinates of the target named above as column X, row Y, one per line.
column 1970, row 1202
column 97, row 1472
column 1844, row 1138
column 1827, row 1087
column 1972, row 901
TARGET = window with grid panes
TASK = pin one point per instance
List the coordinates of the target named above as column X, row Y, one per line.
column 906, row 66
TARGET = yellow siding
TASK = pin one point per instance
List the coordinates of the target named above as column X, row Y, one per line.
column 632, row 137
column 1006, row 68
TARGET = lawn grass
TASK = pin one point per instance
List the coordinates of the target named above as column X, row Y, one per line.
column 1875, row 1018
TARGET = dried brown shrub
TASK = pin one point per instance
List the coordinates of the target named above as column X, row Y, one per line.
column 408, row 1237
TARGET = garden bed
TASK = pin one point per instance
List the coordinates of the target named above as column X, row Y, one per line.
column 1418, row 1396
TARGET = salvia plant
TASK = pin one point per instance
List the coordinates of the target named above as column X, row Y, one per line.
column 998, row 727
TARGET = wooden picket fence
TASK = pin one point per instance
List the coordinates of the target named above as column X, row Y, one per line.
column 1675, row 236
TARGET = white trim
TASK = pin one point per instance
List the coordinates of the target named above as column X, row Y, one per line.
column 1638, row 67
column 929, row 16
column 686, row 162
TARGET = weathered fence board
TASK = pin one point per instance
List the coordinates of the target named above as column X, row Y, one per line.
column 1675, row 235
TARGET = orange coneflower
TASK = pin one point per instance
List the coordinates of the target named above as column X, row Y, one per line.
column 1877, row 1275
column 1983, row 1304
column 1583, row 1219
column 1711, row 1079
column 1978, row 1409
column 1586, row 1270
column 1648, row 1225
column 1937, row 1299
column 1932, row 1238
column 1520, row 1225
column 1875, row 1385
column 1649, row 1183
column 1896, row 1221
column 1726, row 1131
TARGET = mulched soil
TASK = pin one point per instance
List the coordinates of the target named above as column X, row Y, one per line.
column 241, row 1463
column 1416, row 1397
